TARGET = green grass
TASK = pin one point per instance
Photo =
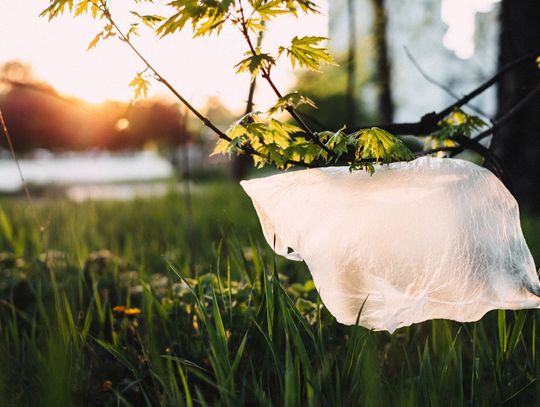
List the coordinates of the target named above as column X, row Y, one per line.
column 222, row 322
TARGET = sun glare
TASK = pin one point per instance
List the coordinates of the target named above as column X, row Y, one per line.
column 459, row 16
column 198, row 68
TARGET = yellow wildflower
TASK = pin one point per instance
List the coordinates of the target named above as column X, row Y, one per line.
column 132, row 312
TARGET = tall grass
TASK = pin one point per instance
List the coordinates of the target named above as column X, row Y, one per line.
column 224, row 324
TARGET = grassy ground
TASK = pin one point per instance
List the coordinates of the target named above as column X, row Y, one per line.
column 221, row 320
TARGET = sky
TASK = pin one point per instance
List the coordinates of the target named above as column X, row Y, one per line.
column 198, row 68
column 459, row 16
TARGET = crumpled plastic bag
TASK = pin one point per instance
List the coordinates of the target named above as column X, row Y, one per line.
column 425, row 239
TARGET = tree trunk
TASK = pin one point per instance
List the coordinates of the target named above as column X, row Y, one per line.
column 517, row 141
column 350, row 102
column 382, row 63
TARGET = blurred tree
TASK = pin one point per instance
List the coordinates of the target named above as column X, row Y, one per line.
column 39, row 117
column 153, row 121
column 517, row 140
column 351, row 66
column 385, row 105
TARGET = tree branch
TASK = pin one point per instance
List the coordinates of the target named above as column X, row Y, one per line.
column 207, row 122
column 429, row 122
column 509, row 113
column 266, row 75
column 435, row 82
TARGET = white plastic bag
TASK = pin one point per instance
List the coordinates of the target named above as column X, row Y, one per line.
column 429, row 238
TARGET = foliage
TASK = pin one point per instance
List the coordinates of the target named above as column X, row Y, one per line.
column 457, row 123
column 239, row 328
column 268, row 139
column 140, row 86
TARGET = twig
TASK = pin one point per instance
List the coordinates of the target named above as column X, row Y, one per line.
column 35, row 215
column 487, row 84
column 266, row 75
column 350, row 100
column 428, row 123
column 509, row 113
column 447, row 149
column 435, row 82
column 246, row 148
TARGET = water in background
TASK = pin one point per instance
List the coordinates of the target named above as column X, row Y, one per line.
column 88, row 175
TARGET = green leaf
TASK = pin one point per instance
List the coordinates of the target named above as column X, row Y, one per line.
column 255, row 25
column 457, row 123
column 306, row 6
column 270, row 9
column 82, row 7
column 273, row 153
column 305, row 53
column 149, row 20
column 94, row 41
column 290, row 100
column 140, row 86
column 281, row 132
column 205, row 17
column 303, row 150
column 254, row 63
column 339, row 142
column 57, row 8
column 381, row 146
column 258, row 132
column 222, row 147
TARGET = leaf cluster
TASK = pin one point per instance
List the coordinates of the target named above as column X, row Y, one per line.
column 367, row 147
column 268, row 140
column 282, row 144
column 458, row 123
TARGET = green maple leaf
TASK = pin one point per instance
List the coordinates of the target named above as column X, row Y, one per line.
column 254, row 63
column 291, row 100
column 306, row 53
column 140, row 86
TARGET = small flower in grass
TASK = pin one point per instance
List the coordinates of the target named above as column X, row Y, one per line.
column 119, row 311
column 132, row 312
column 106, row 386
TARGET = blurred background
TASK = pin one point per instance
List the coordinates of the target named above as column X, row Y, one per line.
column 79, row 134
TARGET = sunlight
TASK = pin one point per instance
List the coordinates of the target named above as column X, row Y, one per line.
column 198, row 68
column 459, row 16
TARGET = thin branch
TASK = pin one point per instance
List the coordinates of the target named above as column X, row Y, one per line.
column 246, row 148
column 429, row 122
column 266, row 75
column 487, row 84
column 350, row 100
column 447, row 149
column 5, row 132
column 509, row 113
column 486, row 153
column 161, row 79
column 435, row 82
